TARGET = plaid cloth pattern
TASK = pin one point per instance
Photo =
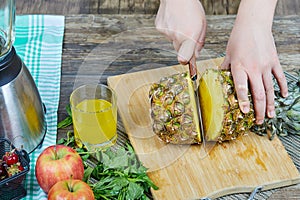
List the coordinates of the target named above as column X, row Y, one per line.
column 39, row 44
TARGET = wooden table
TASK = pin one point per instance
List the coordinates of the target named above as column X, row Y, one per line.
column 98, row 46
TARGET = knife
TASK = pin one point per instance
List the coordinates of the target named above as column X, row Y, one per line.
column 193, row 76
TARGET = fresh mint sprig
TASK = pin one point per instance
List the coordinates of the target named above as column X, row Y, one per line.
column 68, row 120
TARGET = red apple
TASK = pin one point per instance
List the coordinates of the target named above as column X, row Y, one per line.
column 56, row 163
column 71, row 190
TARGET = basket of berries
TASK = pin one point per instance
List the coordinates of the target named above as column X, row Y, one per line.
column 14, row 165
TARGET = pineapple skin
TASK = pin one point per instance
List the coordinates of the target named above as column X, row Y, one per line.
column 173, row 110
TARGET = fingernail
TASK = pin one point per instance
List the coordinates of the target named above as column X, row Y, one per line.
column 271, row 114
column 245, row 109
column 285, row 94
column 260, row 121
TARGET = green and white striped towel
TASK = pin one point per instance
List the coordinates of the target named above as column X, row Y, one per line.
column 39, row 44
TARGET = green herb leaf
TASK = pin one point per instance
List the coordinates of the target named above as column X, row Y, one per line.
column 65, row 123
column 87, row 173
column 68, row 109
column 134, row 191
column 68, row 120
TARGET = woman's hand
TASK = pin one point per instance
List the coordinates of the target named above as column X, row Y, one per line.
column 252, row 56
column 184, row 23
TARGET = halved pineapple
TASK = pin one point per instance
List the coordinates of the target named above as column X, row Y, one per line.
column 175, row 119
column 173, row 110
column 222, row 118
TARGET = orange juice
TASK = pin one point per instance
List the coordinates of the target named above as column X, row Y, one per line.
column 95, row 122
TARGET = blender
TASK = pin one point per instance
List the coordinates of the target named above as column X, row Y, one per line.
column 22, row 113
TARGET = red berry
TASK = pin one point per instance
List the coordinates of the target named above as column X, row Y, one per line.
column 20, row 167
column 10, row 158
column 3, row 172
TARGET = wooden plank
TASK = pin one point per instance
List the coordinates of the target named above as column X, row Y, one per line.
column 56, row 7
column 221, row 7
column 217, row 7
column 195, row 171
column 288, row 7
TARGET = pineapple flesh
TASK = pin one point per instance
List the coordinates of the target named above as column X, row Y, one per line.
column 175, row 119
column 222, row 118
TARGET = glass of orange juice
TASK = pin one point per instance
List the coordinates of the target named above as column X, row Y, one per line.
column 94, row 113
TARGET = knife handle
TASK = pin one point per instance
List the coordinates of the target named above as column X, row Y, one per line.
column 193, row 71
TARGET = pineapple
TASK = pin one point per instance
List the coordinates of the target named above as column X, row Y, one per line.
column 222, row 118
column 174, row 114
column 173, row 110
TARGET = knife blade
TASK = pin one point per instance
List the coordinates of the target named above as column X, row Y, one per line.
column 193, row 76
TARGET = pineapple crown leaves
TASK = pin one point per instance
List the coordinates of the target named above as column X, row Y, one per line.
column 287, row 120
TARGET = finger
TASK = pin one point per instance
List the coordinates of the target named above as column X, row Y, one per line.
column 241, row 87
column 163, row 28
column 168, row 33
column 203, row 32
column 199, row 47
column 160, row 26
column 176, row 45
column 186, row 51
column 269, row 91
column 281, row 80
column 201, row 40
column 258, row 97
column 226, row 63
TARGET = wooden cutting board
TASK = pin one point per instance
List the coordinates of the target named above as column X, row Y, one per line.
column 198, row 171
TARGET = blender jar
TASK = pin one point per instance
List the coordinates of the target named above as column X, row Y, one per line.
column 7, row 26
column 22, row 113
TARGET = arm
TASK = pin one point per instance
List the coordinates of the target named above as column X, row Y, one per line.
column 183, row 22
column 252, row 56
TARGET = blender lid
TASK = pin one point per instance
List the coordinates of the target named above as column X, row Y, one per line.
column 10, row 67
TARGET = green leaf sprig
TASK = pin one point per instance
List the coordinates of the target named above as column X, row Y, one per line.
column 121, row 175
column 68, row 120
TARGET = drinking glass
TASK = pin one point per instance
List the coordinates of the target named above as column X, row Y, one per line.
column 94, row 113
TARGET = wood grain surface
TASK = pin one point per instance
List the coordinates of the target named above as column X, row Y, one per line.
column 98, row 46
column 216, row 7
column 197, row 171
